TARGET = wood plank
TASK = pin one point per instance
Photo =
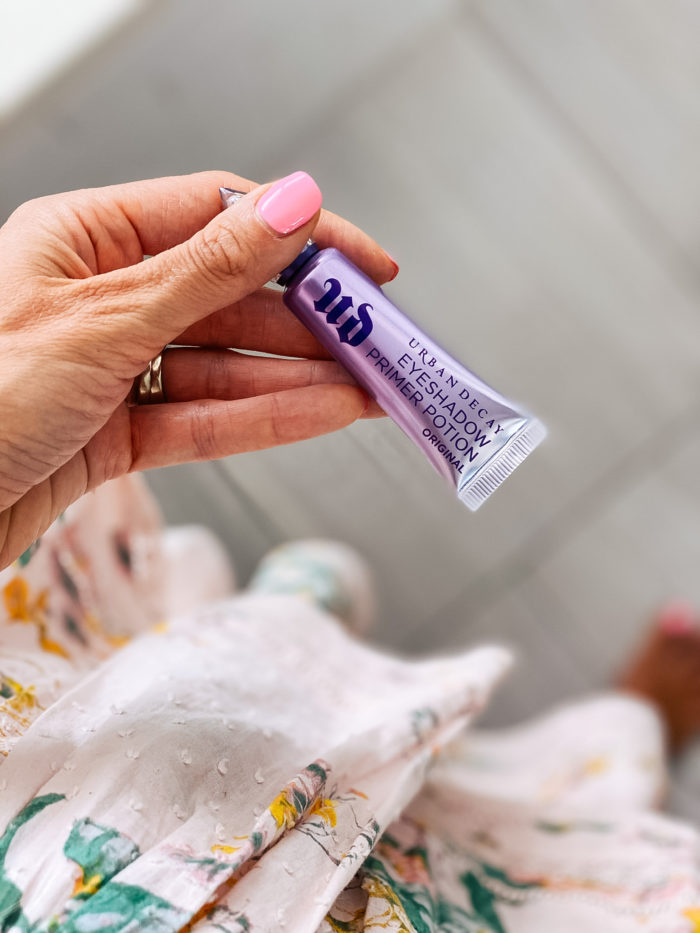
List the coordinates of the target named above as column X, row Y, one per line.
column 642, row 551
column 332, row 487
column 515, row 258
column 200, row 494
column 197, row 86
column 684, row 791
column 625, row 76
column 38, row 41
column 543, row 675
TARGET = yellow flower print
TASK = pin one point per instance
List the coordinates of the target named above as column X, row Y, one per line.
column 16, row 697
column 229, row 849
column 21, row 607
column 558, row 783
column 300, row 796
column 393, row 916
column 325, row 808
column 85, row 886
column 693, row 914
column 15, row 700
column 283, row 811
column 356, row 922
column 597, row 765
column 17, row 603
column 93, row 625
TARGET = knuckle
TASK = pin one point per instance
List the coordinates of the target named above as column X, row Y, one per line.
column 29, row 209
column 214, row 376
column 277, row 422
column 221, row 253
column 41, row 214
column 204, row 434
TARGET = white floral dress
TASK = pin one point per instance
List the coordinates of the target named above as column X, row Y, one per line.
column 250, row 766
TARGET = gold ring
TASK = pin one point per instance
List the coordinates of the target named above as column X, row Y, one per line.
column 148, row 387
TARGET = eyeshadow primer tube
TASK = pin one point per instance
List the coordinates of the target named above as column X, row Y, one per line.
column 472, row 435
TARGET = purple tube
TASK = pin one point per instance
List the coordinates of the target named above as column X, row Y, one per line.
column 473, row 436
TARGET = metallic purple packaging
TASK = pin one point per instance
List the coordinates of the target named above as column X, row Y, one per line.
column 473, row 436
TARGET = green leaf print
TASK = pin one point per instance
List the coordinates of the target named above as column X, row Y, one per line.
column 212, row 866
column 415, row 900
column 24, row 558
column 116, row 906
column 499, row 875
column 317, row 768
column 340, row 926
column 591, row 826
column 454, row 919
column 100, row 852
column 225, row 920
column 35, row 806
column 11, row 915
column 419, row 911
column 423, row 722
column 482, row 902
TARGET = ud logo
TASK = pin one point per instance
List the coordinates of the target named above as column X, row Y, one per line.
column 353, row 330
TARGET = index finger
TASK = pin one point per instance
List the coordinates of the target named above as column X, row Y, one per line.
column 374, row 261
column 167, row 211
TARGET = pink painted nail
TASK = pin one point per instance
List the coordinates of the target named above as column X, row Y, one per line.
column 394, row 264
column 677, row 618
column 290, row 202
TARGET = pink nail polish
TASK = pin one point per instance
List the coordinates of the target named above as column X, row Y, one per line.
column 290, row 202
column 677, row 618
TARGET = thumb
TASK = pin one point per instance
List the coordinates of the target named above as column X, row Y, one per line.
column 237, row 252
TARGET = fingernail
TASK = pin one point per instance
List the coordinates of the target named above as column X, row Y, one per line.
column 677, row 618
column 290, row 203
column 394, row 264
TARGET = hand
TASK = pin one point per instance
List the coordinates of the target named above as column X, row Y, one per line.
column 82, row 315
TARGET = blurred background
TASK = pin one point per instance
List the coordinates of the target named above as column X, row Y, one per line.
column 533, row 165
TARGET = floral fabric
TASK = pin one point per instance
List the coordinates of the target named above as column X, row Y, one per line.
column 250, row 766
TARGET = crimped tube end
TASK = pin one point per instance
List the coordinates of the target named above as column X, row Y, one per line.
column 475, row 492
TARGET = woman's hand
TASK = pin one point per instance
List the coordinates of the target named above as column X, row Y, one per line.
column 81, row 316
